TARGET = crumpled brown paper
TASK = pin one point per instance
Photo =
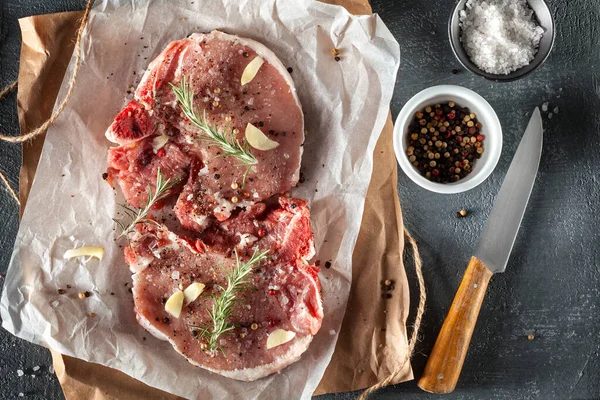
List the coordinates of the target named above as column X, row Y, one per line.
column 47, row 46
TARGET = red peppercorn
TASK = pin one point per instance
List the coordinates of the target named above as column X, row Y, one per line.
column 272, row 292
column 435, row 172
column 451, row 115
column 261, row 232
column 161, row 153
column 480, row 138
column 439, row 111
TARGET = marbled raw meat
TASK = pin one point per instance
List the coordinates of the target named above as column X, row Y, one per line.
column 213, row 64
column 285, row 296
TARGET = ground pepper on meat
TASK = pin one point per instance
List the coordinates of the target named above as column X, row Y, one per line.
column 444, row 141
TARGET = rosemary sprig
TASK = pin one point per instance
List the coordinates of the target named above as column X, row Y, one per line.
column 213, row 136
column 140, row 215
column 224, row 303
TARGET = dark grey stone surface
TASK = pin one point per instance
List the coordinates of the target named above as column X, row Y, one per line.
column 551, row 287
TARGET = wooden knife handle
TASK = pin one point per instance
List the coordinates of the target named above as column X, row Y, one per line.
column 448, row 354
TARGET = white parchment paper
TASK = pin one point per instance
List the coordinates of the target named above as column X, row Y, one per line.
column 346, row 105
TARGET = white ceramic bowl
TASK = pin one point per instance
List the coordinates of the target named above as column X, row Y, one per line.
column 491, row 129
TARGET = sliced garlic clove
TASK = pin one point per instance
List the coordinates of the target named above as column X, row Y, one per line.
column 252, row 69
column 192, row 292
column 278, row 337
column 86, row 251
column 175, row 303
column 257, row 139
column 159, row 142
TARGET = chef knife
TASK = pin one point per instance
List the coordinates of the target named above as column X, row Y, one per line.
column 491, row 256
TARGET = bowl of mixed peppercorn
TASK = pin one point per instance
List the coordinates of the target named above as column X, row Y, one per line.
column 447, row 139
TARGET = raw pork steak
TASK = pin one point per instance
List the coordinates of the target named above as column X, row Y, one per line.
column 284, row 295
column 212, row 65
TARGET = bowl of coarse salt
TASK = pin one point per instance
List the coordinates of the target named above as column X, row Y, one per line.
column 501, row 40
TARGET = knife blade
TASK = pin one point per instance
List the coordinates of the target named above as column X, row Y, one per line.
column 491, row 256
column 500, row 232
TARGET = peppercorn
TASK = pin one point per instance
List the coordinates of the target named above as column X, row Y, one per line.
column 254, row 326
column 530, row 337
column 61, row 291
column 461, row 214
column 431, row 140
column 81, row 295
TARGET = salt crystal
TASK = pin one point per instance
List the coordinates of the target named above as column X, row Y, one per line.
column 21, row 394
column 500, row 36
column 36, row 368
column 20, row 372
column 332, row 332
column 175, row 275
column 550, row 115
column 555, row 110
column 51, row 369
column 545, row 107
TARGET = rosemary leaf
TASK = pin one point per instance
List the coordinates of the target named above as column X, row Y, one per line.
column 140, row 215
column 224, row 303
column 213, row 136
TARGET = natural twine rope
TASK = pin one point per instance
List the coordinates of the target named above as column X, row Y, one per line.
column 8, row 89
column 42, row 128
column 3, row 93
column 9, row 188
column 417, row 325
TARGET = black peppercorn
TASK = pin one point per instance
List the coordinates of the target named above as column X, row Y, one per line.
column 443, row 141
column 166, row 320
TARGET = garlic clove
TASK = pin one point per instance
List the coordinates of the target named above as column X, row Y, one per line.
column 251, row 69
column 192, row 292
column 174, row 304
column 278, row 337
column 86, row 251
column 159, row 142
column 257, row 139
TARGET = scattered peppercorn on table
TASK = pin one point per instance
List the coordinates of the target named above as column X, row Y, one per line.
column 537, row 336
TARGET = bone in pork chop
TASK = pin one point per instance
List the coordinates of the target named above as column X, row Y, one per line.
column 212, row 64
column 284, row 291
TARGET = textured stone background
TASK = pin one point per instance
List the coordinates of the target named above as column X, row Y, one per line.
column 551, row 287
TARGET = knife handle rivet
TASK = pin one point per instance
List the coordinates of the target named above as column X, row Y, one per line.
column 475, row 285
